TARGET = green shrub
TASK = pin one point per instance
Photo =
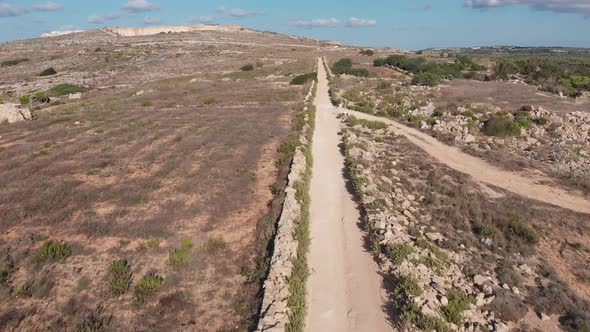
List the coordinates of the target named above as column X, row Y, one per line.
column 541, row 121
column 486, row 230
column 248, row 67
column 413, row 314
column 147, row 103
column 24, row 100
column 426, row 79
column 304, row 78
column 344, row 66
column 14, row 62
column 458, row 302
column 182, row 255
column 48, row 72
column 119, row 276
column 398, row 252
column 147, row 285
column 524, row 232
column 289, row 146
column 5, row 274
column 55, row 251
column 379, row 62
column 501, row 126
column 374, row 125
column 367, row 52
column 407, row 286
column 41, row 96
column 65, row 89
column 210, row 101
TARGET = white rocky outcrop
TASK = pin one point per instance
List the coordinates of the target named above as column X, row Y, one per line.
column 12, row 113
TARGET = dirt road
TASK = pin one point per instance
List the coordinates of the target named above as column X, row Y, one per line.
column 345, row 292
column 527, row 185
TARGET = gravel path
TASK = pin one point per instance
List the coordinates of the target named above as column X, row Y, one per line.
column 345, row 292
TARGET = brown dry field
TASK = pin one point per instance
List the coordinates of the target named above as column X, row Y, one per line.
column 123, row 176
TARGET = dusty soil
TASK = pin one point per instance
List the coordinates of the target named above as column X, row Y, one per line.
column 170, row 141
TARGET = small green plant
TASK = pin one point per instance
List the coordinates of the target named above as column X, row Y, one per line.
column 152, row 243
column 541, row 121
column 578, row 246
column 458, row 302
column 398, row 252
column 289, row 146
column 119, row 276
column 412, row 313
column 36, row 237
column 55, row 251
column 48, row 72
column 94, row 322
column 210, row 101
column 524, row 232
column 382, row 85
column 407, row 286
column 147, row 103
column 41, row 96
column 486, row 230
column 82, row 284
column 65, row 89
column 215, row 245
column 24, row 100
column 182, row 255
column 5, row 274
column 376, row 205
column 248, row 67
column 426, row 79
column 147, row 285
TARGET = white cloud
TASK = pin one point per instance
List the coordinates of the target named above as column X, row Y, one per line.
column 564, row 6
column 240, row 13
column 100, row 19
column 151, row 20
column 47, row 6
column 317, row 22
column 360, row 22
column 137, row 6
column 8, row 9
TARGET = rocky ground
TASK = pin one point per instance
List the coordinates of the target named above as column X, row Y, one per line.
column 456, row 257
column 530, row 136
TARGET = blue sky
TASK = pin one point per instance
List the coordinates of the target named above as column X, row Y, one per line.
column 405, row 23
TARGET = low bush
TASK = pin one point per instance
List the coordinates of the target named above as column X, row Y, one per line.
column 508, row 306
column 304, row 78
column 14, row 62
column 24, row 100
column 367, row 52
column 119, row 276
column 407, row 286
column 65, row 89
column 426, row 79
column 486, row 230
column 398, row 252
column 344, row 66
column 458, row 302
column 501, row 126
column 147, row 285
column 55, row 251
column 353, row 121
column 524, row 232
column 248, row 67
column 411, row 313
column 48, row 72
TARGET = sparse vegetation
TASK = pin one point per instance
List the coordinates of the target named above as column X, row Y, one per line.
column 215, row 245
column 119, row 277
column 398, row 253
column 248, row 67
column 24, row 100
column 367, row 52
column 523, row 231
column 458, row 302
column 146, row 286
column 53, row 251
column 14, row 62
column 344, row 66
column 374, row 125
column 182, row 255
column 65, row 89
column 48, row 72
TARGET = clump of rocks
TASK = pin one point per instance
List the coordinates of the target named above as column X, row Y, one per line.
column 12, row 113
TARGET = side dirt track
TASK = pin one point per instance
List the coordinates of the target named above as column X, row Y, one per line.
column 522, row 184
